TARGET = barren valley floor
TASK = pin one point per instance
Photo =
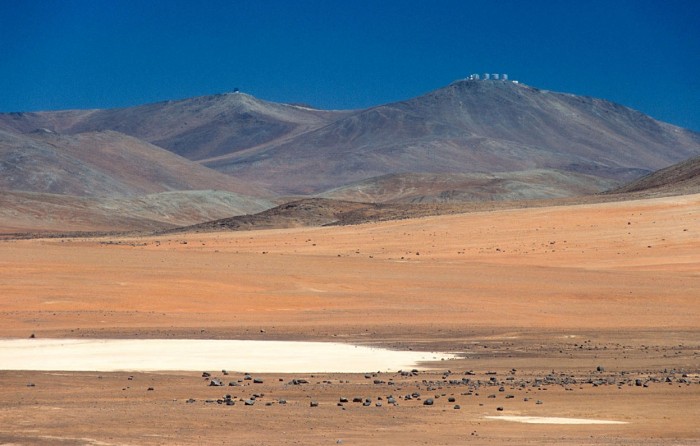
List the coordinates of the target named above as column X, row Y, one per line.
column 590, row 310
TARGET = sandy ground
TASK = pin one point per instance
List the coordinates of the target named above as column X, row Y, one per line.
column 543, row 296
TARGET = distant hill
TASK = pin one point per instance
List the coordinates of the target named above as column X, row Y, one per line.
column 41, row 212
column 327, row 212
column 305, row 212
column 110, row 181
column 678, row 179
column 105, row 163
column 471, row 187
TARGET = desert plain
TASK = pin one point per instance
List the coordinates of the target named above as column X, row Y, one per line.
column 585, row 312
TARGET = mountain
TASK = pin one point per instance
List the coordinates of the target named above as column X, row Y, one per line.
column 678, row 179
column 198, row 128
column 470, row 126
column 473, row 139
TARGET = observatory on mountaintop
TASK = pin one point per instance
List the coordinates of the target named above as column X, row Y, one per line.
column 489, row 76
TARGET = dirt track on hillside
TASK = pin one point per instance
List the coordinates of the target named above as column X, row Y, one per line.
column 545, row 291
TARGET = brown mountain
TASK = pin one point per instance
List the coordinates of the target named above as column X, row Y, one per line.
column 678, row 179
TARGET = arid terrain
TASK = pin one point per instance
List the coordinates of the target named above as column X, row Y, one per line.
column 178, row 163
column 585, row 311
column 543, row 246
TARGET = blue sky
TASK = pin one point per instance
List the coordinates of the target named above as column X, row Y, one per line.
column 58, row 54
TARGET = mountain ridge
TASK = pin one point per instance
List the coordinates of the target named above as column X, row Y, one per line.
column 472, row 126
column 470, row 140
column 212, row 123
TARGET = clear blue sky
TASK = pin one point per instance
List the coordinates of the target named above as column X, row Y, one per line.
column 57, row 54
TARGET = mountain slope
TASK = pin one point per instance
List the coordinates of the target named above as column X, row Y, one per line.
column 102, row 164
column 681, row 178
column 41, row 212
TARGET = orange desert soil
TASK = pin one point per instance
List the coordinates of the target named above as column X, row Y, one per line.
column 541, row 297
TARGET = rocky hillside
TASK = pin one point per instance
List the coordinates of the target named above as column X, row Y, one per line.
column 681, row 178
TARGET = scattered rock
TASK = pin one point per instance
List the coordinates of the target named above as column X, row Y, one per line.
column 428, row 402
